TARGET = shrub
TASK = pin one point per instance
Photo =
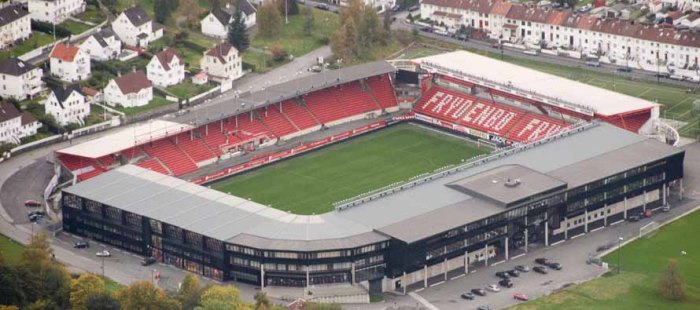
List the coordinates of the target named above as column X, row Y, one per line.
column 278, row 53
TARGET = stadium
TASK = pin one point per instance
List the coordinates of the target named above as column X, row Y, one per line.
column 372, row 175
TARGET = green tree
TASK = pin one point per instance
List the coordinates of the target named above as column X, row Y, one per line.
column 268, row 19
column 43, row 304
column 11, row 307
column 102, row 301
column 360, row 31
column 222, row 297
column 10, row 290
column 161, row 10
column 292, row 7
column 237, row 32
column 145, row 296
column 308, row 19
column 86, row 285
column 671, row 284
column 386, row 22
column 190, row 292
column 261, row 301
column 43, row 279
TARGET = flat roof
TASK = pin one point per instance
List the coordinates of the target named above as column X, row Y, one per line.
column 603, row 101
column 507, row 184
column 126, row 138
column 409, row 215
column 210, row 112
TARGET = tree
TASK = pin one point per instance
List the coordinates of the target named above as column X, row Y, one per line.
column 237, row 32
column 86, row 285
column 102, row 301
column 10, row 290
column 43, row 279
column 308, row 19
column 190, row 10
column 386, row 22
column 671, row 284
column 163, row 9
column 359, row 32
column 4, row 307
column 145, row 296
column 222, row 297
column 190, row 292
column 278, row 53
column 291, row 8
column 261, row 301
column 269, row 19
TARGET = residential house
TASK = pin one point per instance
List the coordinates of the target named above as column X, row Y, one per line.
column 129, row 90
column 15, row 125
column 222, row 62
column 69, row 63
column 216, row 23
column 384, row 4
column 103, row 45
column 166, row 68
column 19, row 80
column 67, row 105
column 55, row 11
column 15, row 25
column 135, row 28
column 200, row 78
column 92, row 95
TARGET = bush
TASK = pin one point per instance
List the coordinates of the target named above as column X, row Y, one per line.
column 324, row 40
column 248, row 66
column 48, row 28
column 278, row 53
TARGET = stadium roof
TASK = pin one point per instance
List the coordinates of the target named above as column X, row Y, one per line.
column 410, row 215
column 283, row 91
column 602, row 101
column 125, row 138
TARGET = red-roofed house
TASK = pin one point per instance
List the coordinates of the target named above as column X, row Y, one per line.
column 166, row 68
column 69, row 63
column 129, row 90
column 222, row 62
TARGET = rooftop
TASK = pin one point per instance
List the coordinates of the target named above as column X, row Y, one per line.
column 65, row 52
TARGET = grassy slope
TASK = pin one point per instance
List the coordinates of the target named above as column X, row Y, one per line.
column 11, row 250
column 311, row 183
column 642, row 263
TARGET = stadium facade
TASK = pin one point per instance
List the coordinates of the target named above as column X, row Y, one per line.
column 489, row 209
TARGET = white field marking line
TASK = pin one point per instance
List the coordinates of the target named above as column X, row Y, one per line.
column 423, row 301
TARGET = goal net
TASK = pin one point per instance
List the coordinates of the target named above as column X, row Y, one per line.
column 648, row 230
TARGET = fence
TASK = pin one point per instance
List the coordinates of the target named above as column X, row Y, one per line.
column 40, row 50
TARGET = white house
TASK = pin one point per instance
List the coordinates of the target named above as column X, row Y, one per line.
column 67, row 105
column 386, row 4
column 19, row 79
column 216, row 23
column 166, row 68
column 135, row 28
column 129, row 90
column 222, row 62
column 55, row 11
column 15, row 125
column 15, row 25
column 103, row 45
column 69, row 63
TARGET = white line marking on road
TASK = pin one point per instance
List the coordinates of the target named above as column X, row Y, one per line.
column 618, row 222
column 516, row 256
column 555, row 243
column 597, row 229
column 579, row 235
column 457, row 277
column 423, row 301
column 420, row 289
column 496, row 263
column 436, row 284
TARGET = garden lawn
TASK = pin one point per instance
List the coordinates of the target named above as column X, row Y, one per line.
column 11, row 250
column 36, row 40
column 188, row 89
column 155, row 103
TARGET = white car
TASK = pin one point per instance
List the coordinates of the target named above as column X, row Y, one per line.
column 104, row 253
column 493, row 288
column 531, row 52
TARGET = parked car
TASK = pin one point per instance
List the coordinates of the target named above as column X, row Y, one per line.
column 624, row 69
column 34, row 217
column 514, row 273
column 633, row 218
column 323, row 6
column 676, row 77
column 540, row 269
column 396, row 8
column 147, row 261
column 40, row 213
column 468, row 296
column 493, row 288
column 666, row 209
column 478, row 291
column 503, row 275
column 316, row 68
column 593, row 63
column 426, row 29
column 522, row 268
column 505, row 283
column 520, row 296
column 32, row 203
column 662, row 75
column 554, row 265
column 413, row 8
column 441, row 32
column 104, row 253
column 81, row 244
column 483, row 307
column 531, row 52
column 541, row 261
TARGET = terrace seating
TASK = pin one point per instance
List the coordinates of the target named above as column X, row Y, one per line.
column 153, row 164
column 132, row 153
column 195, row 148
column 245, row 124
column 89, row 175
column 382, row 90
column 76, row 163
column 278, row 124
column 339, row 102
column 300, row 116
column 171, row 156
column 533, row 127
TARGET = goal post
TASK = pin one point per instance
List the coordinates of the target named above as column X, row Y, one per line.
column 649, row 230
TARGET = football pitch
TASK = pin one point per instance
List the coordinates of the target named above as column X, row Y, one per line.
column 311, row 183
column 636, row 287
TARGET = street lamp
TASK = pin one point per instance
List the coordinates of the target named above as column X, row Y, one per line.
column 619, row 242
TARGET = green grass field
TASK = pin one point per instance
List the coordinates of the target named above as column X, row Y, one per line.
column 311, row 183
column 11, row 250
column 642, row 263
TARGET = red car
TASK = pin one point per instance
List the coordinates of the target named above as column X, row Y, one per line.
column 32, row 203
column 520, row 296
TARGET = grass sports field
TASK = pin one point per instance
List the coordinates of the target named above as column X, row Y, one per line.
column 311, row 183
column 642, row 262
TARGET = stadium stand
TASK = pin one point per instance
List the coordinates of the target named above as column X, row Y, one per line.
column 171, row 156
column 195, row 148
column 300, row 116
column 382, row 91
column 278, row 124
column 153, row 164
